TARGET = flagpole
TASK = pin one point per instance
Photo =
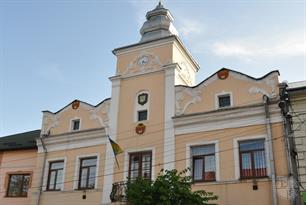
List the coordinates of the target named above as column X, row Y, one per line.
column 117, row 162
column 115, row 154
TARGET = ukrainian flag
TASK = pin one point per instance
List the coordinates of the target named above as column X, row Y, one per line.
column 116, row 148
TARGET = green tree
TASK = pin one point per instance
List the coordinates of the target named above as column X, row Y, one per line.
column 170, row 188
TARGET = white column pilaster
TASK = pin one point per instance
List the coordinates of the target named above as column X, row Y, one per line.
column 169, row 138
column 109, row 157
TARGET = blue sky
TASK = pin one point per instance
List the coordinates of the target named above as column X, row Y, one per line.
column 54, row 51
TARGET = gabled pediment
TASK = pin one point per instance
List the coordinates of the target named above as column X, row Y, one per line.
column 243, row 90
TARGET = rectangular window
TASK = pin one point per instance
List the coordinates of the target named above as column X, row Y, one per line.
column 55, row 176
column 140, row 165
column 18, row 185
column 142, row 115
column 75, row 125
column 204, row 163
column 87, row 175
column 252, row 158
column 224, row 101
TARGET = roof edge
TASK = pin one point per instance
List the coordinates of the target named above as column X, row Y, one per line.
column 248, row 76
column 174, row 37
column 47, row 111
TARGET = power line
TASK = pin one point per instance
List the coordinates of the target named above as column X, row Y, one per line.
column 120, row 172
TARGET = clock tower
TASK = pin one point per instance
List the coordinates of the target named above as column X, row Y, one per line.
column 143, row 97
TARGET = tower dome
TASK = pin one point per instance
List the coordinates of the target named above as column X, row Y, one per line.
column 158, row 25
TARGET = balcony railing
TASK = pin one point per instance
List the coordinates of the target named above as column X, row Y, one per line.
column 118, row 192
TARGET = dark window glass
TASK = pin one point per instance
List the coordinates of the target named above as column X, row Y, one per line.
column 224, row 101
column 75, row 124
column 142, row 115
column 18, row 185
column 252, row 158
column 87, row 176
column 55, row 176
column 204, row 163
column 140, row 165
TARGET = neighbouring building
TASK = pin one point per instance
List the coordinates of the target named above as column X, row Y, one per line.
column 228, row 129
column 297, row 93
column 18, row 155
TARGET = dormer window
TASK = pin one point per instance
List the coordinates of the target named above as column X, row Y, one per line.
column 142, row 106
column 224, row 100
column 75, row 125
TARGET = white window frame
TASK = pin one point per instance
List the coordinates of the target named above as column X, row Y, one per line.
column 127, row 160
column 222, row 94
column 77, row 169
column 236, row 153
column 199, row 143
column 139, row 107
column 71, row 124
column 46, row 173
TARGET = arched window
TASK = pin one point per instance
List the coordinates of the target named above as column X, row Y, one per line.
column 142, row 106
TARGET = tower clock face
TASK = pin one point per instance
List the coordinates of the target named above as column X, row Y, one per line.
column 143, row 60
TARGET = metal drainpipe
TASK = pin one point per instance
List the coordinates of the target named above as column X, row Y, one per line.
column 270, row 146
column 42, row 170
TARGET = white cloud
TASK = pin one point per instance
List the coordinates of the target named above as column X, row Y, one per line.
column 285, row 44
column 190, row 27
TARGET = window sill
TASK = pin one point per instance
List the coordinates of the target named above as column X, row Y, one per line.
column 203, row 181
column 84, row 189
column 15, row 197
column 250, row 178
column 234, row 181
column 225, row 107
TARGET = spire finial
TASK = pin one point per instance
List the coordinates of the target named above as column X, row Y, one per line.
column 160, row 5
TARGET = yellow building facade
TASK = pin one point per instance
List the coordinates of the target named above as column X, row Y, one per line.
column 227, row 129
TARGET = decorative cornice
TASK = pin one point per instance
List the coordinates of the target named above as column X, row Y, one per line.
column 225, row 118
column 73, row 140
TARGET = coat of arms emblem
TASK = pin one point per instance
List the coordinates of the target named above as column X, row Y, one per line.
column 140, row 128
column 75, row 104
column 142, row 98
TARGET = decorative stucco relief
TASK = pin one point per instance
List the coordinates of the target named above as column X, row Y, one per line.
column 185, row 74
column 185, row 97
column 269, row 81
column 256, row 90
column 101, row 113
column 145, row 62
column 50, row 121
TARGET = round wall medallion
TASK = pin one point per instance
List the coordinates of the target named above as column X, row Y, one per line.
column 75, row 104
column 140, row 128
column 223, row 74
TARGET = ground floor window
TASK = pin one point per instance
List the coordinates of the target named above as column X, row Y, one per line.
column 204, row 163
column 55, row 176
column 87, row 174
column 18, row 185
column 140, row 165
